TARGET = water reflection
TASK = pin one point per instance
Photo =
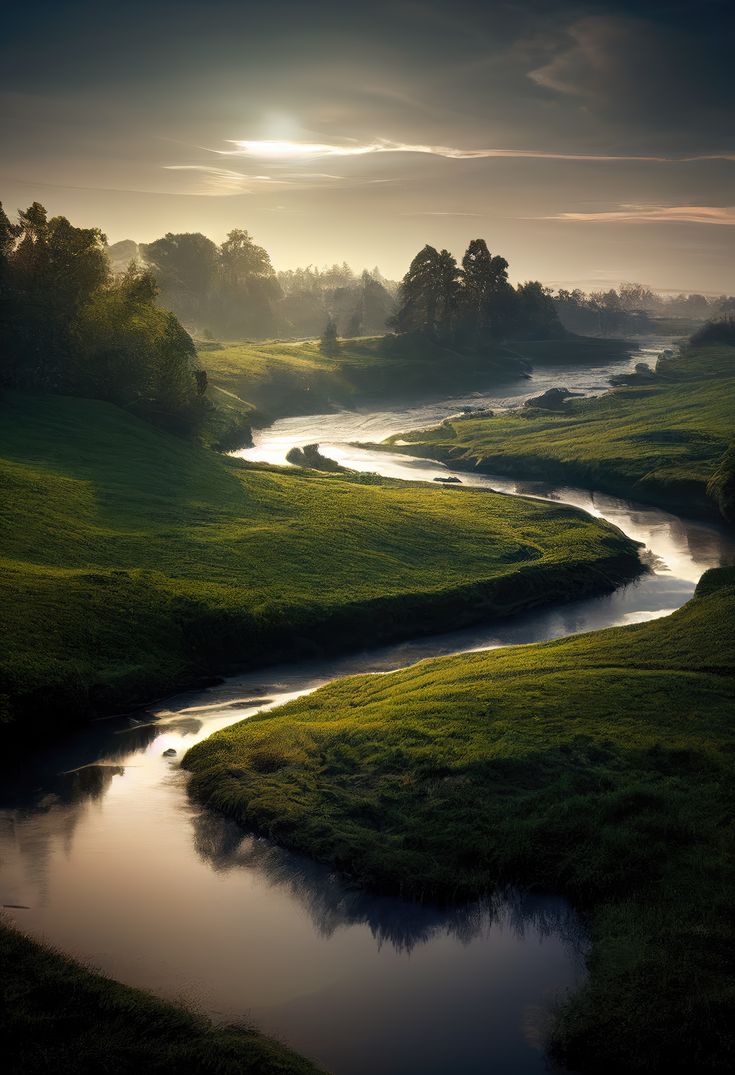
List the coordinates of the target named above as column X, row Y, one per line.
column 333, row 903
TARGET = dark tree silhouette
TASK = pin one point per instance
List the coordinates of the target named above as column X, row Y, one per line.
column 329, row 343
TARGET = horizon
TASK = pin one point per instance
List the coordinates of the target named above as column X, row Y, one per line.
column 565, row 135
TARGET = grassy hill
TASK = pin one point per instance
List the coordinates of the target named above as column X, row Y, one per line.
column 134, row 562
column 276, row 378
column 601, row 766
column 662, row 442
column 60, row 1017
column 270, row 379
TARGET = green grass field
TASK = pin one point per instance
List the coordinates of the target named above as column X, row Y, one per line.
column 62, row 1018
column 273, row 378
column 661, row 443
column 601, row 766
column 270, row 379
column 134, row 561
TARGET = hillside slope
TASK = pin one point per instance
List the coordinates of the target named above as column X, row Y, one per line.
column 134, row 562
column 600, row 765
column 662, row 442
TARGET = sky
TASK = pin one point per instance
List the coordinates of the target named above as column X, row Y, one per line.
column 589, row 143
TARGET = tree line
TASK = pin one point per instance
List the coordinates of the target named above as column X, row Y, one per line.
column 632, row 308
column 472, row 304
column 231, row 291
column 68, row 325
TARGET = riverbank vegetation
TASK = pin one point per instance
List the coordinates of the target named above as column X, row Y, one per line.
column 135, row 561
column 275, row 378
column 68, row 326
column 599, row 765
column 59, row 1016
column 664, row 441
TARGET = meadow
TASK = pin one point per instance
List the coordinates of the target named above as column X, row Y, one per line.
column 255, row 382
column 273, row 378
column 135, row 562
column 663, row 442
column 600, row 766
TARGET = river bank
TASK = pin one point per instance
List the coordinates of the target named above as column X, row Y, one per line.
column 662, row 442
column 261, row 381
column 363, row 983
column 60, row 1016
column 531, row 766
column 136, row 563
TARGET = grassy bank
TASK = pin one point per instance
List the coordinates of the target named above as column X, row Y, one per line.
column 662, row 442
column 600, row 766
column 59, row 1017
column 134, row 562
column 278, row 378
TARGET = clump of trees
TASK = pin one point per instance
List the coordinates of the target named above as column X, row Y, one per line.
column 68, row 325
column 473, row 304
column 230, row 289
column 360, row 304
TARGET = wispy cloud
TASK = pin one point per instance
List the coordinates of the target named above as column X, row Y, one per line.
column 305, row 151
column 654, row 214
column 441, row 212
column 225, row 182
column 222, row 182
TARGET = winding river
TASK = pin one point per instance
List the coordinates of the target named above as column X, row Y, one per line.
column 103, row 854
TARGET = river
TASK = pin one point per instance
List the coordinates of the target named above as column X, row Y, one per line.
column 103, row 854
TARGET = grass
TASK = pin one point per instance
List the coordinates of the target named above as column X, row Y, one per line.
column 276, row 378
column 62, row 1018
column 663, row 443
column 134, row 562
column 601, row 766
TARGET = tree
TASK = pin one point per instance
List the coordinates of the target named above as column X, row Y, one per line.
column 329, row 343
column 376, row 303
column 50, row 270
column 429, row 294
column 186, row 268
column 485, row 292
column 536, row 316
column 68, row 326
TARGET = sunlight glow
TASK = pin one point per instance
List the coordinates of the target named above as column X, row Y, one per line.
column 291, row 150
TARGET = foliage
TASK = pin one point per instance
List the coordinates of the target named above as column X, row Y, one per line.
column 281, row 377
column 599, row 765
column 67, row 326
column 360, row 305
column 719, row 331
column 230, row 288
column 134, row 561
column 61, row 1017
column 660, row 441
column 474, row 305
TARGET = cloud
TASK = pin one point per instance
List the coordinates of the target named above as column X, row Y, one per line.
column 654, row 214
column 441, row 212
column 646, row 74
column 304, row 151
column 222, row 182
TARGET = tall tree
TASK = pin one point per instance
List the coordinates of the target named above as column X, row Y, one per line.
column 429, row 293
column 485, row 290
column 51, row 270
